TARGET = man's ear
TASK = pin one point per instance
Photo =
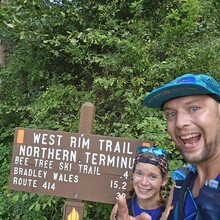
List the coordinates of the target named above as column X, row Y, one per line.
column 219, row 108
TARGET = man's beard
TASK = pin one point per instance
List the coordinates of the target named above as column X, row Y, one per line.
column 209, row 150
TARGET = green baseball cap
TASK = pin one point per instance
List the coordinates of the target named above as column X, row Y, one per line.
column 188, row 84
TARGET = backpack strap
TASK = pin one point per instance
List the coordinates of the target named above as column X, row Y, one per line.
column 130, row 204
column 182, row 194
column 182, row 176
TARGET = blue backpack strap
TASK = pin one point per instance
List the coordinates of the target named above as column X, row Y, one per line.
column 218, row 178
column 208, row 201
column 182, row 194
column 182, row 172
column 182, row 177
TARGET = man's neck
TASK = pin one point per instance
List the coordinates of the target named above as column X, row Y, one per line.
column 207, row 171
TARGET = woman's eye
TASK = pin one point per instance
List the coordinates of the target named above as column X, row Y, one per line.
column 153, row 177
column 138, row 173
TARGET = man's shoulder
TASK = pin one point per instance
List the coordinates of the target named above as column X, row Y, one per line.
column 182, row 172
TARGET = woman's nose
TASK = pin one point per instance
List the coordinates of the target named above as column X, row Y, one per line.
column 144, row 180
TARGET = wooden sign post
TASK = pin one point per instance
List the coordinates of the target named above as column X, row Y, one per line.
column 78, row 166
column 87, row 114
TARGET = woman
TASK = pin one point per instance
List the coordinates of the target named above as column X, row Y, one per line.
column 149, row 178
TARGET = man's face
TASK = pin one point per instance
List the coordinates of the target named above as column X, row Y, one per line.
column 193, row 123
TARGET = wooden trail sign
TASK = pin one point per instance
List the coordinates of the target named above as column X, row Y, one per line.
column 72, row 165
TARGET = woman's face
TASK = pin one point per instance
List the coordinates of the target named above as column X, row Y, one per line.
column 147, row 181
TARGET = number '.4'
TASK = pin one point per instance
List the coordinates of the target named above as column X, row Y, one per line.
column 125, row 175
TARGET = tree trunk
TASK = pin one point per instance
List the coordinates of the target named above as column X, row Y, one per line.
column 2, row 53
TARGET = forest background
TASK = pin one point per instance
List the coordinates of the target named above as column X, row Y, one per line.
column 57, row 55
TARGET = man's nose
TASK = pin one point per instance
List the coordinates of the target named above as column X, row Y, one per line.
column 182, row 120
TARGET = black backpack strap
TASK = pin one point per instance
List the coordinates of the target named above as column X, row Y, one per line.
column 160, row 214
column 182, row 194
column 130, row 204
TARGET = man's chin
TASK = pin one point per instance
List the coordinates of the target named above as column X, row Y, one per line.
column 192, row 158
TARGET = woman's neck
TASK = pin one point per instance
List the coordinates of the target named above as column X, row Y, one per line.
column 149, row 203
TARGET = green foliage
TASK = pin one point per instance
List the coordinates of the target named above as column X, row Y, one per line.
column 97, row 211
column 61, row 54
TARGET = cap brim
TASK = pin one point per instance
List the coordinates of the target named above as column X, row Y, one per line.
column 159, row 96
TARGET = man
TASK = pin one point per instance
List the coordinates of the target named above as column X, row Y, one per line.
column 192, row 109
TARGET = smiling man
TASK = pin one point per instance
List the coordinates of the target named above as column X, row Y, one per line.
column 192, row 109
column 191, row 104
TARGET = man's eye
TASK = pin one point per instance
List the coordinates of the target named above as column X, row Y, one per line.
column 194, row 109
column 171, row 114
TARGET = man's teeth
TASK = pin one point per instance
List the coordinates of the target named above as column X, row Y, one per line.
column 189, row 136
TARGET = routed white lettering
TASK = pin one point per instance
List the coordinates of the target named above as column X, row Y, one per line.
column 80, row 142
column 63, row 177
column 119, row 147
column 30, row 172
column 21, row 160
column 47, row 153
column 65, row 166
column 47, row 139
column 89, row 169
column 108, row 160
column 24, row 182
column 47, row 164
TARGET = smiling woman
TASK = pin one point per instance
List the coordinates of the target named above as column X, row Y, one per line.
column 149, row 178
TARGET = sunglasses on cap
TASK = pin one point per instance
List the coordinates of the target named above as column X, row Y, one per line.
column 153, row 150
column 161, row 154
